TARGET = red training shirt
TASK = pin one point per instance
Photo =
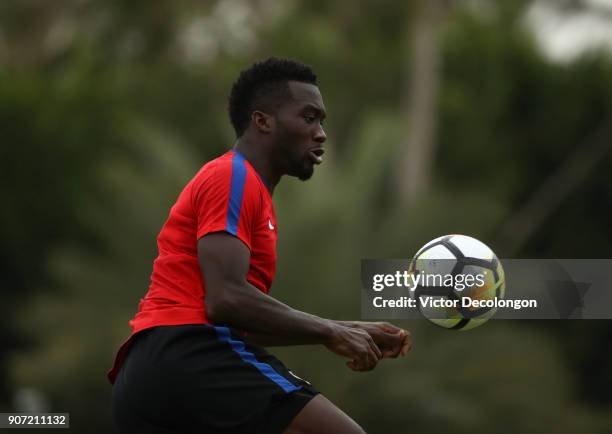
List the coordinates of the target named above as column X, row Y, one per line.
column 226, row 195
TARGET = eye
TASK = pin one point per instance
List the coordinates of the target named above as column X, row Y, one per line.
column 309, row 119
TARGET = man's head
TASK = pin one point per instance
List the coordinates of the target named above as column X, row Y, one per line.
column 278, row 104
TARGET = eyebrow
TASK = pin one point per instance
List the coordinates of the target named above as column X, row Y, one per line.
column 322, row 114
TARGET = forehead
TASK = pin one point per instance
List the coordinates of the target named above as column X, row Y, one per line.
column 306, row 94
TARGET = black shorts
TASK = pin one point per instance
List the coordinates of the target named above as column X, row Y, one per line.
column 204, row 379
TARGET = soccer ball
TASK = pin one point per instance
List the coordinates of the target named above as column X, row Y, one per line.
column 460, row 278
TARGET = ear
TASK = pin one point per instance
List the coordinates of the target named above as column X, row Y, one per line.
column 263, row 122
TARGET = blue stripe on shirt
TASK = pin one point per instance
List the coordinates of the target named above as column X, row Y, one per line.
column 239, row 172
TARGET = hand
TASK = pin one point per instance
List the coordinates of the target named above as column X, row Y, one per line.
column 357, row 345
column 392, row 341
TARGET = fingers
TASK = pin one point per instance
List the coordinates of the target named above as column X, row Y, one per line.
column 374, row 347
column 366, row 346
column 406, row 343
column 394, row 340
column 360, row 367
column 388, row 328
column 389, row 343
column 351, row 364
column 394, row 345
column 401, row 347
column 369, row 357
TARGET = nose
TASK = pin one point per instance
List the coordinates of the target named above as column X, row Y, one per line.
column 320, row 136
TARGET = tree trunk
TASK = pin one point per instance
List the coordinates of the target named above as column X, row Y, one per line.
column 418, row 105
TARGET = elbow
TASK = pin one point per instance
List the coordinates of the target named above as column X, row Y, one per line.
column 218, row 309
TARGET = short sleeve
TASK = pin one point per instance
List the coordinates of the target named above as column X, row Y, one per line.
column 225, row 199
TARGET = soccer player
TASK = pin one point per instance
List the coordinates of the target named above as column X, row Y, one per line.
column 195, row 361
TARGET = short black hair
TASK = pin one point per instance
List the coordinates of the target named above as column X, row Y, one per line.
column 263, row 86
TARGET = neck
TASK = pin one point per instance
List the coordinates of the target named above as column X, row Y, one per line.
column 260, row 161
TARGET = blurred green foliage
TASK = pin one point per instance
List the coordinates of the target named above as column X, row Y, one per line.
column 108, row 108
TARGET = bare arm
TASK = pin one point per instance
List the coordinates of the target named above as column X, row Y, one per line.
column 391, row 340
column 232, row 300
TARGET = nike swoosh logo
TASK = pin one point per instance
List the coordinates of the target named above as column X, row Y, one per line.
column 270, row 225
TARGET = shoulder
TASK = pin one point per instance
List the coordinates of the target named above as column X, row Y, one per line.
column 229, row 173
column 214, row 168
column 227, row 165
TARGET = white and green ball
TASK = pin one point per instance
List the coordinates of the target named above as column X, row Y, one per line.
column 454, row 255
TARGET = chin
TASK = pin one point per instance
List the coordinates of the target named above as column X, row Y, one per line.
column 303, row 172
column 306, row 175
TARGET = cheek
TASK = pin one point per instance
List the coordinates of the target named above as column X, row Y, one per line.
column 293, row 135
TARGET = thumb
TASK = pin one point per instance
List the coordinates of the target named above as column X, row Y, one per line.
column 393, row 344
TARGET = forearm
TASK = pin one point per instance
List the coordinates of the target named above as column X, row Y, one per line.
column 348, row 323
column 267, row 340
column 266, row 320
column 270, row 340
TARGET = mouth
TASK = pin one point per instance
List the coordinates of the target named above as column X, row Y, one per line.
column 316, row 155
